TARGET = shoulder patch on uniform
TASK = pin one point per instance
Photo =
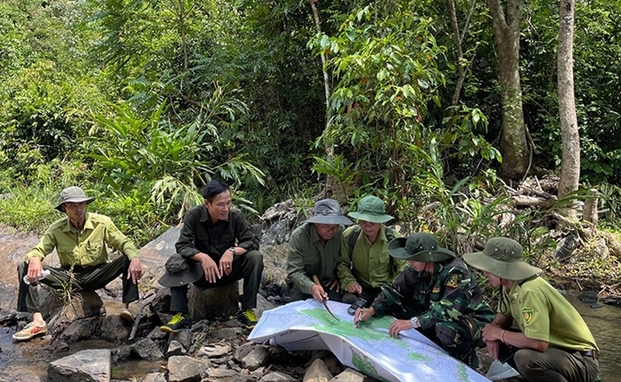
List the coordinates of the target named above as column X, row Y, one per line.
column 528, row 314
column 453, row 281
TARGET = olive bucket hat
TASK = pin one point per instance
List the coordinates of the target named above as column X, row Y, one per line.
column 371, row 209
column 72, row 194
column 180, row 271
column 328, row 211
column 419, row 246
column 502, row 257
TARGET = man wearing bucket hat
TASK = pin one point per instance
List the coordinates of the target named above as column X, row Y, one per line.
column 80, row 239
column 437, row 295
column 215, row 247
column 314, row 251
column 553, row 342
column 365, row 263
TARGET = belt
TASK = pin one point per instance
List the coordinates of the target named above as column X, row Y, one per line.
column 591, row 353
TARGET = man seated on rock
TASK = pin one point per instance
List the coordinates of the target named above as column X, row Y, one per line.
column 220, row 249
column 314, row 251
column 553, row 342
column 365, row 263
column 80, row 239
column 437, row 295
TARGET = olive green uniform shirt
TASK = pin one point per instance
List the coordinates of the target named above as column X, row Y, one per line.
column 308, row 255
column 370, row 264
column 85, row 248
column 542, row 313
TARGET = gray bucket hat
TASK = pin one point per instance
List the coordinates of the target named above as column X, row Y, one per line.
column 73, row 194
column 180, row 271
column 371, row 209
column 328, row 211
column 419, row 246
column 502, row 257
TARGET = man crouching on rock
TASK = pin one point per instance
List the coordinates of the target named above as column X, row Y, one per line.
column 216, row 247
column 80, row 239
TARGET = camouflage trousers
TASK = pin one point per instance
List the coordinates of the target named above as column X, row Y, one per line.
column 460, row 338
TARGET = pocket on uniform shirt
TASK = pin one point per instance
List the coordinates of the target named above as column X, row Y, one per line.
column 91, row 253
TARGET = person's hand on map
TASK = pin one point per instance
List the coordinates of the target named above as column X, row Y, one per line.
column 362, row 314
column 318, row 293
column 354, row 288
column 399, row 325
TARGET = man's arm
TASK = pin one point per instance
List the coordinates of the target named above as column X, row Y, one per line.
column 295, row 263
column 343, row 269
column 185, row 244
column 246, row 239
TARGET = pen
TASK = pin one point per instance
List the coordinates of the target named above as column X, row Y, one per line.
column 357, row 320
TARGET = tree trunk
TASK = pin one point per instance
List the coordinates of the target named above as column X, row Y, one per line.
column 570, row 163
column 513, row 142
column 329, row 146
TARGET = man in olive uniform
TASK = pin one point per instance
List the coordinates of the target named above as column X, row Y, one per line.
column 365, row 263
column 314, row 249
column 437, row 295
column 80, row 239
column 553, row 342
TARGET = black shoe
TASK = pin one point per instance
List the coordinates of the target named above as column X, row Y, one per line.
column 247, row 318
column 178, row 322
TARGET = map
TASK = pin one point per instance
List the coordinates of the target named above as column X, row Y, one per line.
column 307, row 325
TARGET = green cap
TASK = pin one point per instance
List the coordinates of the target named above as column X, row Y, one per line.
column 502, row 257
column 419, row 246
column 371, row 209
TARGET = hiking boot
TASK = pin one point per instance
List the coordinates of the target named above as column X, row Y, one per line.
column 247, row 318
column 178, row 322
column 29, row 332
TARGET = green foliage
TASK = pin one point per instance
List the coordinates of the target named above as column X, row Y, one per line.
column 150, row 153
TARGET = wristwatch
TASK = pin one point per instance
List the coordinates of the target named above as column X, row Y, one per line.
column 232, row 249
column 415, row 323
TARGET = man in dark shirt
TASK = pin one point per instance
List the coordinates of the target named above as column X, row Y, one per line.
column 218, row 248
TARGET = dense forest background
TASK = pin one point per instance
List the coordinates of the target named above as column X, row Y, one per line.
column 142, row 101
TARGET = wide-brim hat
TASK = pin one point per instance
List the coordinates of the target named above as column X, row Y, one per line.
column 180, row 271
column 502, row 257
column 72, row 194
column 420, row 246
column 371, row 209
column 328, row 211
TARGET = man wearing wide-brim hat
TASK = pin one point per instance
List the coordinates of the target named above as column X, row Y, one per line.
column 365, row 263
column 553, row 342
column 437, row 295
column 80, row 239
column 313, row 250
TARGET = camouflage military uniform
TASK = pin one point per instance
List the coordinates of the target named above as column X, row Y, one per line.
column 449, row 306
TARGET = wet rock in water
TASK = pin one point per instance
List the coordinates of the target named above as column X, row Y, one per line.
column 588, row 297
column 612, row 300
column 83, row 366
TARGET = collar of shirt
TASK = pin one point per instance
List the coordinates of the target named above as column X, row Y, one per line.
column 88, row 224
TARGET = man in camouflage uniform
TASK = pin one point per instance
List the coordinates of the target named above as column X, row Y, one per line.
column 437, row 295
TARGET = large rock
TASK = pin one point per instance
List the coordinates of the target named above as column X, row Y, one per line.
column 207, row 303
column 83, row 366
